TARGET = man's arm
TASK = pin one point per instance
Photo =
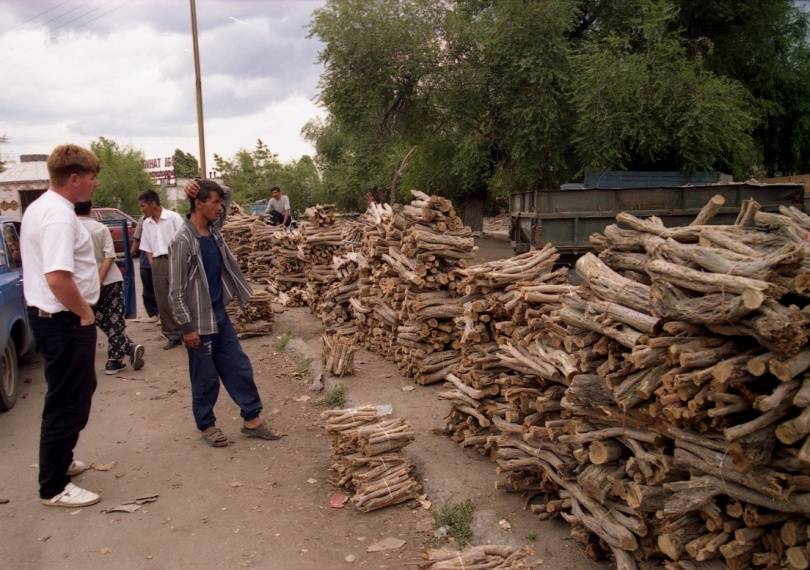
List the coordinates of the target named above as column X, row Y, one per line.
column 286, row 203
column 179, row 258
column 64, row 289
column 136, row 238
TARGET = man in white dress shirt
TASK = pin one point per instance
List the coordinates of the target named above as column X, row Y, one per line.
column 160, row 226
column 61, row 285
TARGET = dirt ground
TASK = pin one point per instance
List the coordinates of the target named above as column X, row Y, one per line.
column 252, row 504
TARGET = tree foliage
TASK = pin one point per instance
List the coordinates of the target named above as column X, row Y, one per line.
column 503, row 95
column 251, row 174
column 122, row 177
column 185, row 164
column 643, row 104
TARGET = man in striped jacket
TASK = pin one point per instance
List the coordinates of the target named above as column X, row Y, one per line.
column 203, row 278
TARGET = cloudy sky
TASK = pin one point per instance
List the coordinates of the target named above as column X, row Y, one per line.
column 74, row 70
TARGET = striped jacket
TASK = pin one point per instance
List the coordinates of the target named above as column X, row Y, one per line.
column 188, row 285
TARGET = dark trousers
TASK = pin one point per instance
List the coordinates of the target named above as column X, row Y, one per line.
column 149, row 301
column 110, row 318
column 160, row 279
column 69, row 352
column 220, row 357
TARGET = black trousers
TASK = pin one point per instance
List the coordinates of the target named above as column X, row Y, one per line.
column 149, row 301
column 69, row 352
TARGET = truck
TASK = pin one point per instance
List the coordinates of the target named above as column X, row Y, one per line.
column 567, row 216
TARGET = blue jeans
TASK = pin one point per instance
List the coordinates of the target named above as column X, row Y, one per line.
column 220, row 357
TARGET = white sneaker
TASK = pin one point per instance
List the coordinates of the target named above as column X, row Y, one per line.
column 73, row 497
column 77, row 468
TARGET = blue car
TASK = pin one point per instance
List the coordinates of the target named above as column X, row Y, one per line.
column 16, row 338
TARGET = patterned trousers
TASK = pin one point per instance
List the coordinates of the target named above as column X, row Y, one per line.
column 110, row 319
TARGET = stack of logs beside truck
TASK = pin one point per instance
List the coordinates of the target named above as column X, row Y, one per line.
column 659, row 404
column 662, row 407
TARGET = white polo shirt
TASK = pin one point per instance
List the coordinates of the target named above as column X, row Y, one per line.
column 53, row 239
column 156, row 237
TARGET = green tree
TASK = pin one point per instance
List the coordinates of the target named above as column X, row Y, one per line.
column 185, row 164
column 122, row 177
column 766, row 47
column 643, row 103
column 250, row 174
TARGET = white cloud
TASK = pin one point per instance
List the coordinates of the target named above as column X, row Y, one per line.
column 133, row 82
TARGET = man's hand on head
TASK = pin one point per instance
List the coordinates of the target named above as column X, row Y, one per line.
column 192, row 189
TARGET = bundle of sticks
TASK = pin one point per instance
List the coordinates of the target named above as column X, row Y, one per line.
column 500, row 556
column 661, row 407
column 256, row 319
column 338, row 352
column 367, row 458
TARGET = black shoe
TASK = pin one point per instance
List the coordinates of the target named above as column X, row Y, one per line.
column 136, row 357
column 171, row 343
column 114, row 367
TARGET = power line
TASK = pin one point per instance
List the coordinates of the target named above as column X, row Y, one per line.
column 32, row 18
column 80, row 16
column 76, row 28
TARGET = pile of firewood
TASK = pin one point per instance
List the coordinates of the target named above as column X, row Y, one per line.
column 367, row 456
column 334, row 305
column 238, row 234
column 320, row 215
column 661, row 408
column 321, row 241
column 500, row 556
column 427, row 244
column 338, row 352
column 256, row 319
column 503, row 316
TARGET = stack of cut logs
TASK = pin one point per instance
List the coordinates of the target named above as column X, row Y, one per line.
column 367, row 456
column 499, row 556
column 503, row 315
column 238, row 234
column 256, row 318
column 334, row 306
column 663, row 408
column 371, row 307
column 321, row 241
column 428, row 243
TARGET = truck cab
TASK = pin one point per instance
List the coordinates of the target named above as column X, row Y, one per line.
column 16, row 337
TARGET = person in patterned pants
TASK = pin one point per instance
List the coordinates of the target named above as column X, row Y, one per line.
column 109, row 309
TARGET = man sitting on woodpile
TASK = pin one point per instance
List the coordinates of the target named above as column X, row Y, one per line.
column 278, row 208
column 204, row 278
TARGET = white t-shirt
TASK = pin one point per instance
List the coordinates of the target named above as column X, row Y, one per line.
column 279, row 205
column 103, row 247
column 158, row 236
column 53, row 239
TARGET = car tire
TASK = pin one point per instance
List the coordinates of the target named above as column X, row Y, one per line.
column 9, row 376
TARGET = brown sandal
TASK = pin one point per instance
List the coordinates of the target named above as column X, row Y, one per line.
column 262, row 432
column 214, row 437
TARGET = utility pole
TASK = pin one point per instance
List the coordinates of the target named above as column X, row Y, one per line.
column 198, row 85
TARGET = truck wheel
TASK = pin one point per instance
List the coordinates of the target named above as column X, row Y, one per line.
column 9, row 377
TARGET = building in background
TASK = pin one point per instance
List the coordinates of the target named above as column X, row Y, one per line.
column 21, row 183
